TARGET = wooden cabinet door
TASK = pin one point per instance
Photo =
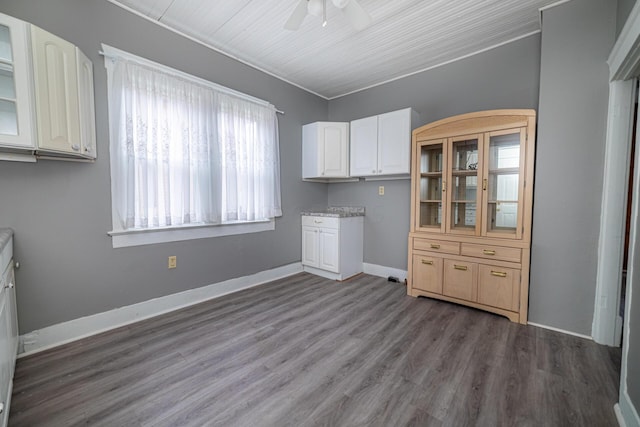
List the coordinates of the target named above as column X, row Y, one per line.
column 329, row 250
column 56, row 85
column 427, row 273
column 499, row 287
column 460, row 280
column 334, row 149
column 310, row 246
column 16, row 97
column 364, row 147
column 394, row 142
column 86, row 105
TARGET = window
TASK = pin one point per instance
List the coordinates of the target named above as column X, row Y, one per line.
column 187, row 153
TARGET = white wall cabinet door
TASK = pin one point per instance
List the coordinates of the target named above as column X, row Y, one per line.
column 329, row 250
column 394, row 142
column 381, row 145
column 86, row 105
column 310, row 246
column 16, row 94
column 56, row 86
column 325, row 150
column 364, row 147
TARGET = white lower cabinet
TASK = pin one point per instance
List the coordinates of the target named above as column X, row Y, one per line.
column 8, row 334
column 332, row 247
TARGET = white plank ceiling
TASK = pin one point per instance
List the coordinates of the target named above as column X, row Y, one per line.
column 406, row 36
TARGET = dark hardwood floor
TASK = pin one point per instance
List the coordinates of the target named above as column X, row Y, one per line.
column 306, row 351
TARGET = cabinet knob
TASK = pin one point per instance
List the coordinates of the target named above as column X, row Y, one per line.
column 11, row 285
column 75, row 147
column 379, row 170
column 373, row 171
column 322, row 173
column 1, row 407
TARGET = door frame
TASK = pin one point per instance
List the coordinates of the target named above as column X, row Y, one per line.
column 624, row 68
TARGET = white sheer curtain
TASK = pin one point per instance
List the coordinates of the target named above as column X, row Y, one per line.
column 184, row 153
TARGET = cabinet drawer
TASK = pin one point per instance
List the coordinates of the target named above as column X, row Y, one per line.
column 492, row 252
column 441, row 246
column 321, row 221
column 460, row 279
column 499, row 287
column 427, row 273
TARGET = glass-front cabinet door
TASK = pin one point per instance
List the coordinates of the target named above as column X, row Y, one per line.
column 432, row 185
column 503, row 183
column 465, row 167
column 15, row 94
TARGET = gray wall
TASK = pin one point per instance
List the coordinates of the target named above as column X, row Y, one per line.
column 576, row 40
column 505, row 77
column 624, row 8
column 633, row 323
column 61, row 211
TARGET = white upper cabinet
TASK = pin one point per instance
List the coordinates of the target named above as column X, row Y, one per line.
column 364, row 146
column 325, row 150
column 16, row 114
column 56, row 83
column 46, row 95
column 381, row 145
column 86, row 105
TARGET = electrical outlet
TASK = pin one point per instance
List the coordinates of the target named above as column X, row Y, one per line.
column 381, row 190
column 172, row 262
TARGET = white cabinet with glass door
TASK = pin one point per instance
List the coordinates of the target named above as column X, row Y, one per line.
column 16, row 114
column 472, row 190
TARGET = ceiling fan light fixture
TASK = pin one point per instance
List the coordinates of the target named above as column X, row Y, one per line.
column 340, row 4
column 315, row 7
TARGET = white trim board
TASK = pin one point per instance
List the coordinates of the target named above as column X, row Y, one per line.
column 625, row 411
column 62, row 333
column 383, row 271
column 551, row 328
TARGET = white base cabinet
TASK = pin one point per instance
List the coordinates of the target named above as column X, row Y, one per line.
column 8, row 332
column 332, row 247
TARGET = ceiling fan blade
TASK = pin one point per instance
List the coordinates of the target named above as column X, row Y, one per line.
column 298, row 15
column 359, row 18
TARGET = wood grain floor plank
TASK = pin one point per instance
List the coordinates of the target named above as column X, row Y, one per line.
column 307, row 351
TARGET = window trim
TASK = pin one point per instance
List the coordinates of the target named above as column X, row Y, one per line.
column 138, row 237
column 151, row 236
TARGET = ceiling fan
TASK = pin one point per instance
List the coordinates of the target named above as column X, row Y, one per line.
column 357, row 16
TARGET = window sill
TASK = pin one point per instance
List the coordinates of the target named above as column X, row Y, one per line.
column 123, row 239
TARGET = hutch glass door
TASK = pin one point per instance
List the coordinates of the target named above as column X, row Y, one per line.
column 432, row 185
column 503, row 182
column 463, row 179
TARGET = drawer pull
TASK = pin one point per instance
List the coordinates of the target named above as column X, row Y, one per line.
column 424, row 261
column 444, row 186
column 498, row 273
column 460, row 267
column 484, row 184
column 489, row 252
column 435, row 246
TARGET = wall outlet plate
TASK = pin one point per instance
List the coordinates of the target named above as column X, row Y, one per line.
column 381, row 190
column 172, row 262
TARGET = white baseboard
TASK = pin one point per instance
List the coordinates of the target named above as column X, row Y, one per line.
column 382, row 271
column 551, row 328
column 626, row 413
column 62, row 333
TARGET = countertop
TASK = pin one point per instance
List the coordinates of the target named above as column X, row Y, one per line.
column 337, row 212
column 5, row 235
